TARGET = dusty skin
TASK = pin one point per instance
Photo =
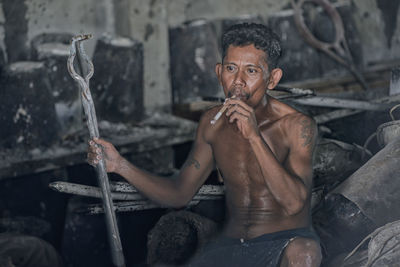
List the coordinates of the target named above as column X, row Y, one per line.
column 263, row 149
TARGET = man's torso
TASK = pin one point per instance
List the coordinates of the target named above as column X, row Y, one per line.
column 251, row 209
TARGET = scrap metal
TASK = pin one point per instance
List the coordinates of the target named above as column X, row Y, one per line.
column 127, row 207
column 340, row 103
column 124, row 191
column 338, row 50
column 374, row 186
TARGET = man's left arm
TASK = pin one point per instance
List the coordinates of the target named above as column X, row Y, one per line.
column 289, row 183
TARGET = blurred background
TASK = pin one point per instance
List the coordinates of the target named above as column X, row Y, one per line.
column 153, row 77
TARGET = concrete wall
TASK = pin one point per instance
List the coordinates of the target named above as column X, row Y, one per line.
column 148, row 22
column 3, row 54
column 379, row 29
column 183, row 10
column 55, row 16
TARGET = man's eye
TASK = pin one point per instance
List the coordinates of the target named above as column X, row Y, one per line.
column 229, row 68
column 252, row 70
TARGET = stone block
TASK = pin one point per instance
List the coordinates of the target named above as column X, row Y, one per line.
column 65, row 90
column 27, row 110
column 194, row 52
column 117, row 83
column 45, row 38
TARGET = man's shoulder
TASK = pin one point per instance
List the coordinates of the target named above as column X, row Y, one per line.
column 205, row 128
column 291, row 115
column 297, row 117
column 293, row 124
column 301, row 128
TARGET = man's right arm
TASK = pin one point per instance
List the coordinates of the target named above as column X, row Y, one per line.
column 173, row 192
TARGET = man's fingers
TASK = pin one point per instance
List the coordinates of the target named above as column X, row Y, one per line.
column 94, row 163
column 93, row 148
column 237, row 116
column 93, row 160
column 240, row 103
column 101, row 142
column 238, row 109
column 94, row 152
column 94, row 155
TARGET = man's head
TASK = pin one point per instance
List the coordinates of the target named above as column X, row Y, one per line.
column 259, row 35
column 248, row 68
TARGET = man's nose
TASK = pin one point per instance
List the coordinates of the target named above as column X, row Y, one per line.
column 239, row 79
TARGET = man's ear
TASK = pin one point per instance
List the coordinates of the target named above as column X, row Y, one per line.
column 218, row 70
column 274, row 78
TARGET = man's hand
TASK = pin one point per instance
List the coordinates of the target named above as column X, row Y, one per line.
column 244, row 117
column 99, row 147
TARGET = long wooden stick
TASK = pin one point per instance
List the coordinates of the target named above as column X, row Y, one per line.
column 90, row 113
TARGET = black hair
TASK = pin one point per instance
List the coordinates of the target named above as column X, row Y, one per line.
column 261, row 36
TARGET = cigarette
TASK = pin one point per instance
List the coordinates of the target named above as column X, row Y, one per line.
column 219, row 114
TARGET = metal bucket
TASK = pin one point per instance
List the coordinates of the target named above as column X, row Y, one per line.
column 386, row 132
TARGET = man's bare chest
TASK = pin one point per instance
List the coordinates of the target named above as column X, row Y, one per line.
column 230, row 141
column 234, row 154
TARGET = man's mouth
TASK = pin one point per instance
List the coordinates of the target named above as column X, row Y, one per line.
column 239, row 93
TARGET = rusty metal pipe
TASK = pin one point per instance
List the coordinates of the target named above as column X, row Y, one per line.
column 90, row 113
column 205, row 192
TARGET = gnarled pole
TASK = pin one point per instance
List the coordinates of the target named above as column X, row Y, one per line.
column 90, row 113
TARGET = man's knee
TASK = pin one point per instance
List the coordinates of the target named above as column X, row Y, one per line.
column 302, row 252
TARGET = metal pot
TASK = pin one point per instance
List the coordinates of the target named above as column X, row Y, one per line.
column 388, row 131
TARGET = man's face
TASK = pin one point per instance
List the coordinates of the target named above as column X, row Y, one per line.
column 244, row 74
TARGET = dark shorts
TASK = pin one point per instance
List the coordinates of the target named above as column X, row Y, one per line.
column 263, row 251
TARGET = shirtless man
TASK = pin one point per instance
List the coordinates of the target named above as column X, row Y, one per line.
column 263, row 149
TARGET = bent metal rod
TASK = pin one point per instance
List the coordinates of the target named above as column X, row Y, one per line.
column 90, row 113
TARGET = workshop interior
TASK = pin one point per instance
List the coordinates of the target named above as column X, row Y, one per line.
column 140, row 74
